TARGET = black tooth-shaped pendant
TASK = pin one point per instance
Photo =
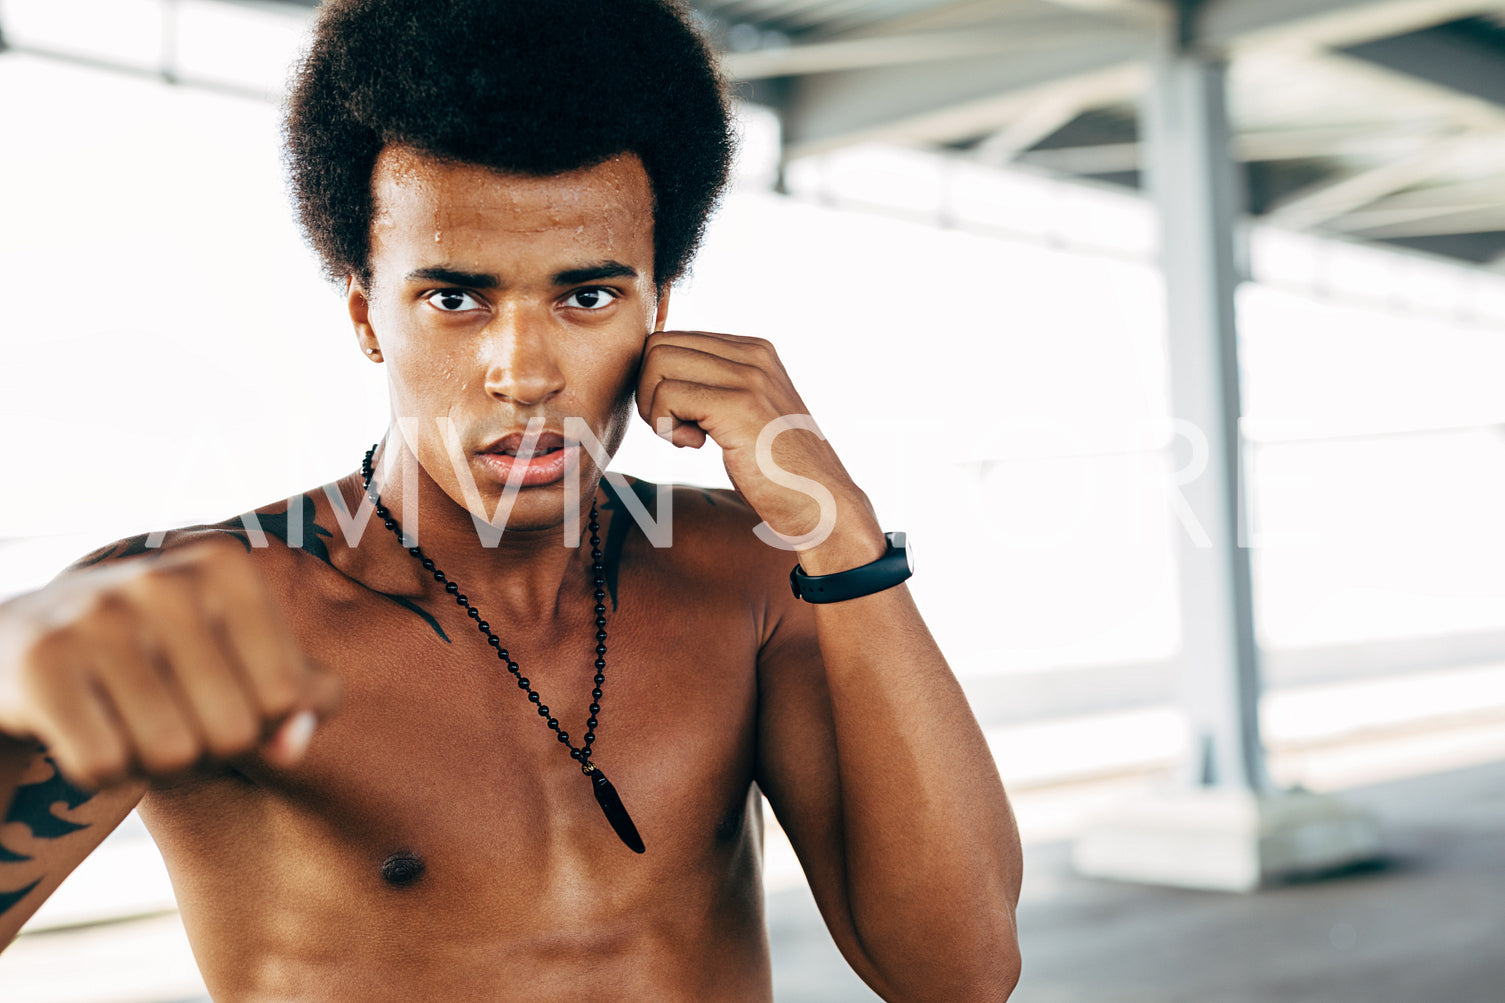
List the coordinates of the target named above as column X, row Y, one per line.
column 615, row 811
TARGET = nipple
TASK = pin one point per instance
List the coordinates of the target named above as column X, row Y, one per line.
column 402, row 868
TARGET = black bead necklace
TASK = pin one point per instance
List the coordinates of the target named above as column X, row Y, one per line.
column 606, row 794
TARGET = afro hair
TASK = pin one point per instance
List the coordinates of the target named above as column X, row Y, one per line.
column 521, row 86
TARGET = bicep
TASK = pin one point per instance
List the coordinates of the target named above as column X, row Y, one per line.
column 49, row 826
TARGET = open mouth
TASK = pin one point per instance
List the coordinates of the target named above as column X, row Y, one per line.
column 538, row 451
column 509, row 462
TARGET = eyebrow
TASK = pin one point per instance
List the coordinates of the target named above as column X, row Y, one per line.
column 595, row 273
column 481, row 280
column 453, row 277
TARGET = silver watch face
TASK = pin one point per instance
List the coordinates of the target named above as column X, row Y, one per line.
column 900, row 541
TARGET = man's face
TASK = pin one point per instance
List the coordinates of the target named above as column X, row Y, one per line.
column 497, row 298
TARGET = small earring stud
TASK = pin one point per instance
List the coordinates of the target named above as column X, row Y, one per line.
column 370, row 351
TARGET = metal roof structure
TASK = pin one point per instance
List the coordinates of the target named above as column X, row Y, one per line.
column 1380, row 120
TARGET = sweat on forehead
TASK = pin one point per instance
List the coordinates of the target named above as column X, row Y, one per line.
column 405, row 178
column 432, row 212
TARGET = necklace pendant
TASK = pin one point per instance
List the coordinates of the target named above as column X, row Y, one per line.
column 614, row 810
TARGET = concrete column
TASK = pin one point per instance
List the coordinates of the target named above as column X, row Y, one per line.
column 1198, row 193
column 1221, row 825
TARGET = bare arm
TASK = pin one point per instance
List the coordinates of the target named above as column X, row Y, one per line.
column 880, row 774
column 49, row 826
column 121, row 672
column 867, row 748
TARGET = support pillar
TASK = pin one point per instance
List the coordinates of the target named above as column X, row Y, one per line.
column 1222, row 825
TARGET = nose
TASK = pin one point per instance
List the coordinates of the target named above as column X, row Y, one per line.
column 521, row 365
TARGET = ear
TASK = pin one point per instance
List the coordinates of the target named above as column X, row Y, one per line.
column 661, row 317
column 359, row 307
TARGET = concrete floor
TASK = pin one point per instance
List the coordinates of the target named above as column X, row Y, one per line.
column 1427, row 927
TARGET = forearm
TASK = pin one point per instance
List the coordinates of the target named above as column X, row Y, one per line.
column 48, row 824
column 931, row 849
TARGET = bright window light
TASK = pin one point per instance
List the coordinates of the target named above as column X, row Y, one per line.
column 234, row 44
column 128, row 32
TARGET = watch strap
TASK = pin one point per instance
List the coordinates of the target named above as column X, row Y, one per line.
column 893, row 567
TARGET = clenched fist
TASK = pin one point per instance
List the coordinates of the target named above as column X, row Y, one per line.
column 151, row 666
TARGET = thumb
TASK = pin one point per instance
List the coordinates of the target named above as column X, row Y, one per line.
column 289, row 742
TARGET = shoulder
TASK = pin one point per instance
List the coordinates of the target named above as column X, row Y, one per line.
column 706, row 545
column 148, row 544
column 273, row 533
column 696, row 527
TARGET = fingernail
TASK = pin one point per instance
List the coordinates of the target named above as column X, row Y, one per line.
column 298, row 732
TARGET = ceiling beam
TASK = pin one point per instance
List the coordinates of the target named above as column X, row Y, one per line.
column 1021, row 15
column 1053, row 110
column 1458, row 195
column 1365, row 221
column 1318, row 24
column 1451, row 58
column 1479, row 220
column 885, row 50
column 937, row 103
column 1381, row 83
column 1328, row 200
column 1152, row 12
column 1367, row 139
column 1040, row 120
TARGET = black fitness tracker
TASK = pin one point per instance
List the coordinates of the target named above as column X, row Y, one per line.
column 896, row 565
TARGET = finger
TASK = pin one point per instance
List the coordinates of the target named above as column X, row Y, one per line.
column 156, row 720
column 687, row 365
column 694, row 406
column 733, row 346
column 201, row 672
column 274, row 668
column 698, row 361
column 80, row 731
column 289, row 742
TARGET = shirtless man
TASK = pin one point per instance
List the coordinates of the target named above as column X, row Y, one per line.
column 506, row 192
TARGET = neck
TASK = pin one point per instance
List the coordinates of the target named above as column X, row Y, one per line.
column 528, row 573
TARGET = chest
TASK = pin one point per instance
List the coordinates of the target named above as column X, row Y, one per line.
column 436, row 745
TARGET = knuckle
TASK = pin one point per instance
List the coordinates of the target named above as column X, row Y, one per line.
column 235, row 731
column 47, row 651
column 162, row 588
column 98, row 763
column 279, row 690
column 170, row 751
column 109, row 606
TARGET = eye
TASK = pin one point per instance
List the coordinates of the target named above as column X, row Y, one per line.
column 593, row 298
column 453, row 301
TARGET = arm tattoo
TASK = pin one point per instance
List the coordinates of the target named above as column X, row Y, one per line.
column 133, row 547
column 8, row 899
column 32, row 808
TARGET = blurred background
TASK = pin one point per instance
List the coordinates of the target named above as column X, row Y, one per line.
column 943, row 219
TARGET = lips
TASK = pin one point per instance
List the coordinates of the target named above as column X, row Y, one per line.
column 512, row 444
column 508, row 460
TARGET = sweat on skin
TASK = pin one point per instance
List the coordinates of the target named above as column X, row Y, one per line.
column 432, row 840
